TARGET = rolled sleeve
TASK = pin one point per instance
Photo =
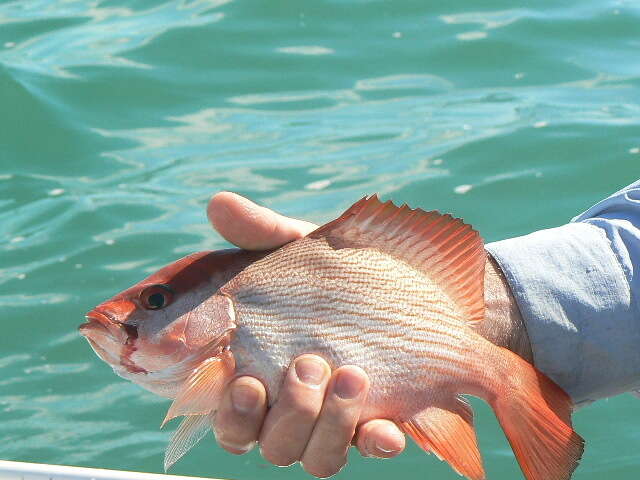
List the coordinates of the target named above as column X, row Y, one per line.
column 576, row 290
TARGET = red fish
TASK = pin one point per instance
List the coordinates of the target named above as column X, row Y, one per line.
column 394, row 290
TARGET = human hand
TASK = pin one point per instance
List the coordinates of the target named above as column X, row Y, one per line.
column 315, row 418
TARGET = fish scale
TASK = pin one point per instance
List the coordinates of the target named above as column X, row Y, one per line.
column 331, row 316
column 394, row 290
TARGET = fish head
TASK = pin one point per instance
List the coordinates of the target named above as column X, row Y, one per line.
column 158, row 330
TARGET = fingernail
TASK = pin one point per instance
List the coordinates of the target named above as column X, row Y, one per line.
column 383, row 448
column 348, row 385
column 310, row 371
column 244, row 398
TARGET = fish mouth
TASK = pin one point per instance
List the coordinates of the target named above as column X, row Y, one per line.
column 113, row 341
column 105, row 335
column 97, row 321
column 102, row 322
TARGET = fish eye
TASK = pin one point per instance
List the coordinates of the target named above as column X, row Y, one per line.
column 156, row 297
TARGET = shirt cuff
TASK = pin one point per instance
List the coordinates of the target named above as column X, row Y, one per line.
column 576, row 305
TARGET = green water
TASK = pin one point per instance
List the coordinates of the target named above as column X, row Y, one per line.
column 119, row 119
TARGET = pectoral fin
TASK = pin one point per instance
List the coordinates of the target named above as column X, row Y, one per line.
column 449, row 434
column 191, row 430
column 202, row 391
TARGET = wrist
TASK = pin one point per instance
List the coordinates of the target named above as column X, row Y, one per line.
column 503, row 324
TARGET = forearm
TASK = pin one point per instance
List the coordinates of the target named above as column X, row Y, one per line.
column 503, row 323
column 575, row 289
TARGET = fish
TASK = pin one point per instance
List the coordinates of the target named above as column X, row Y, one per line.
column 397, row 291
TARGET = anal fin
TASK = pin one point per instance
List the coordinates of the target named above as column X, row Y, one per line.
column 449, row 434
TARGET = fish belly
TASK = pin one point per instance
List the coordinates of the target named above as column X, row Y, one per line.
column 357, row 307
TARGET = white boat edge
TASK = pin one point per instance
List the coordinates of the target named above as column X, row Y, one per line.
column 43, row 471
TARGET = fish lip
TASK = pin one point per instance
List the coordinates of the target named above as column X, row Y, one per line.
column 98, row 320
column 103, row 317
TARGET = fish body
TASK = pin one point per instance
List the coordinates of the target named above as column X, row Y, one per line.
column 353, row 306
column 394, row 290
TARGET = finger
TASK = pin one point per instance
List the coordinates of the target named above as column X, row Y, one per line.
column 251, row 226
column 240, row 415
column 290, row 421
column 326, row 452
column 379, row 438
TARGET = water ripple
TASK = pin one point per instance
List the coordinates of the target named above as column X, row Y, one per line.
column 122, row 118
column 104, row 36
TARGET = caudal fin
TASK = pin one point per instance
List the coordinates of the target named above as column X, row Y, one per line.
column 535, row 415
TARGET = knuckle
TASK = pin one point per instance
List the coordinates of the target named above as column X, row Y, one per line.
column 307, row 411
column 338, row 419
column 303, row 407
column 338, row 414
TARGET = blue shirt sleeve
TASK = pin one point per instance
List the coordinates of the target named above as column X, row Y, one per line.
column 578, row 296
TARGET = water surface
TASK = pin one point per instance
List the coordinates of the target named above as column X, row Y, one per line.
column 119, row 120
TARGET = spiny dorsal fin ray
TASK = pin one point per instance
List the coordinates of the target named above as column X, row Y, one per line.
column 444, row 248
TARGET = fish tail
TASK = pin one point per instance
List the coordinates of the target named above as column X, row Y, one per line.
column 535, row 414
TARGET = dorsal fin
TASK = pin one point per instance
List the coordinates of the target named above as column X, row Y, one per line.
column 444, row 248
